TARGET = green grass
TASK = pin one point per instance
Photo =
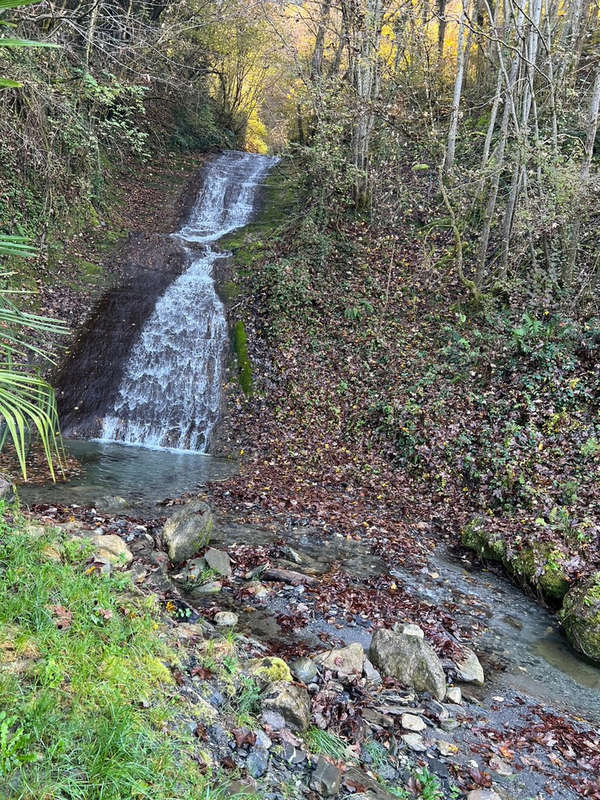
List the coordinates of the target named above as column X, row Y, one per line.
column 330, row 744
column 88, row 708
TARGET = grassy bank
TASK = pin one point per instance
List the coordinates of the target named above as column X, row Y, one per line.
column 88, row 705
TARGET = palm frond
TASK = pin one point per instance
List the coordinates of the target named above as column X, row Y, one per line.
column 27, row 401
column 16, row 245
column 7, row 42
column 6, row 5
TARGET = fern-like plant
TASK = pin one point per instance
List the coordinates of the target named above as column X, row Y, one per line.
column 27, row 401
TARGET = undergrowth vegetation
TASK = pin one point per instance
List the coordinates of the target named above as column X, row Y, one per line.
column 386, row 384
column 89, row 709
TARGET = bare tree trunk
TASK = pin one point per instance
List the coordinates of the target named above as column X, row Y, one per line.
column 441, row 28
column 317, row 59
column 492, row 123
column 499, row 156
column 592, row 127
column 89, row 39
column 365, row 77
column 458, row 84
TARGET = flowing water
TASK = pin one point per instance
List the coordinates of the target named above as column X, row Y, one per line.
column 169, row 394
column 165, row 396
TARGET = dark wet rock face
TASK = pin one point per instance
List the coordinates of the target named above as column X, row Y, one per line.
column 88, row 382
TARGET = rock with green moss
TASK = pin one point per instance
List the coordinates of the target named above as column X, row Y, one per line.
column 487, row 544
column 188, row 530
column 270, row 670
column 543, row 567
column 580, row 617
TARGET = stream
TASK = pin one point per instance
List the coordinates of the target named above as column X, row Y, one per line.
column 144, row 437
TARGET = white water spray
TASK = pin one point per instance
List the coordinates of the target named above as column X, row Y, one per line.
column 170, row 392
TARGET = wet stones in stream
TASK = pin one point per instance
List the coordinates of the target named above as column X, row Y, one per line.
column 336, row 698
column 188, row 530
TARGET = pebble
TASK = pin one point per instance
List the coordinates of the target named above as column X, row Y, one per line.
column 326, row 778
column 446, row 748
column 448, row 724
column 304, row 669
column 219, row 561
column 410, row 722
column 213, row 587
column 274, row 720
column 483, row 794
column 500, row 766
column 262, row 740
column 454, row 695
column 415, row 742
column 226, row 619
column 371, row 674
column 257, row 762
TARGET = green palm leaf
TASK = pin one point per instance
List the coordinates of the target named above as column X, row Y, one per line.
column 8, row 4
column 6, row 42
column 27, row 401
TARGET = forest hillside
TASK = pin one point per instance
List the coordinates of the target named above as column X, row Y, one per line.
column 312, row 291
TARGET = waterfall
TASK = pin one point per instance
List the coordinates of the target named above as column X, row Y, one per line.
column 169, row 395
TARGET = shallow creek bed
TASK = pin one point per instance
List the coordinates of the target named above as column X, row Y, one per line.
column 274, row 626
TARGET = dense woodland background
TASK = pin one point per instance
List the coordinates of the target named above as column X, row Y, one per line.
column 496, row 104
column 433, row 265
column 415, row 347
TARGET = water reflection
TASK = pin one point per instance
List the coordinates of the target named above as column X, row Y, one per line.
column 141, row 476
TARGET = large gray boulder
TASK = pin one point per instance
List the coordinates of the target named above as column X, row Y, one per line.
column 345, row 660
column 405, row 655
column 289, row 700
column 188, row 530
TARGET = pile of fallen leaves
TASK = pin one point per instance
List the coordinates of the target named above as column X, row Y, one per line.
column 382, row 400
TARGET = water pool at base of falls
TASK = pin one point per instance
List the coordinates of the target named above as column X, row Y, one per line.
column 119, row 477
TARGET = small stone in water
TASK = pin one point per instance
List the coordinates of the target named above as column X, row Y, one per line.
column 226, row 619
column 213, row 587
column 448, row 724
column 219, row 561
column 304, row 669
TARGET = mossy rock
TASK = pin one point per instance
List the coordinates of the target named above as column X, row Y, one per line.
column 580, row 617
column 271, row 670
column 487, row 544
column 521, row 564
column 542, row 566
column 240, row 345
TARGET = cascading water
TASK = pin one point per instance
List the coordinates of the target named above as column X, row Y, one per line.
column 169, row 393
